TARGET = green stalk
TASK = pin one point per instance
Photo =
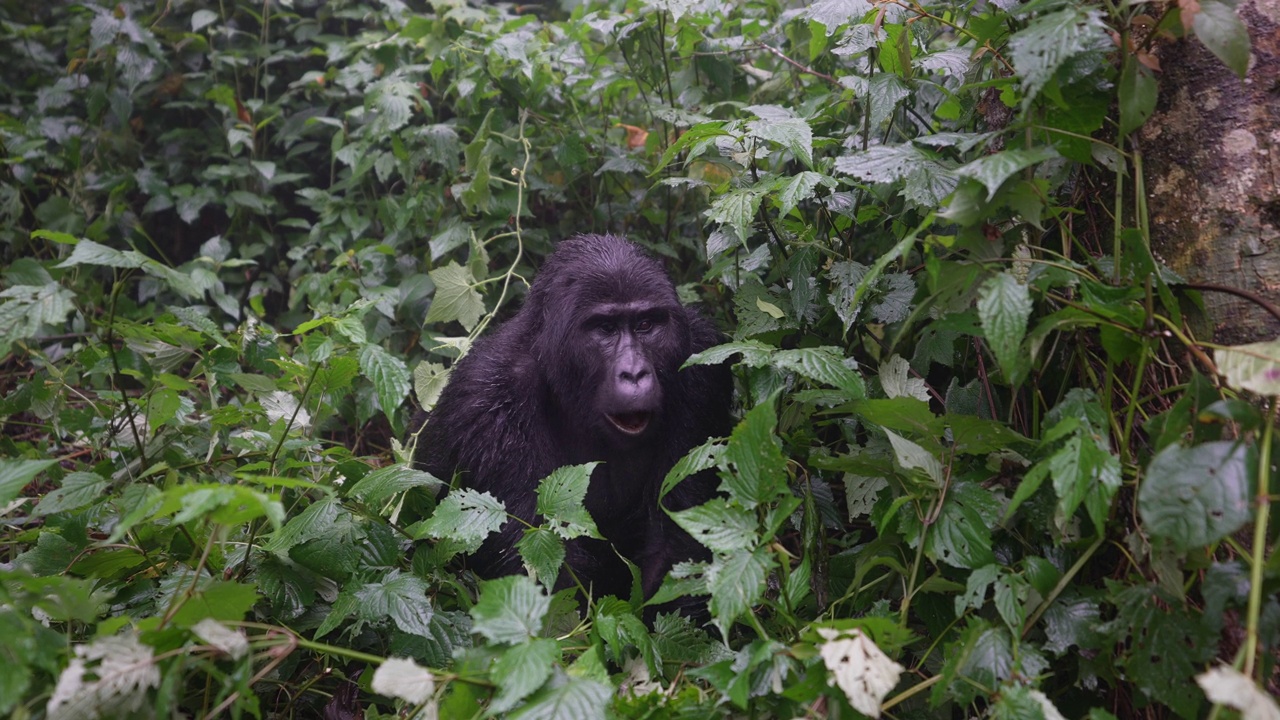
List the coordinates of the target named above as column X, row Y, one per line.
column 1259, row 542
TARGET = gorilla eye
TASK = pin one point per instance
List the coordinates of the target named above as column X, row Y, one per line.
column 644, row 325
column 608, row 327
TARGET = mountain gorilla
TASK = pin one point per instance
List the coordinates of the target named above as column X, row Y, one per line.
column 587, row 370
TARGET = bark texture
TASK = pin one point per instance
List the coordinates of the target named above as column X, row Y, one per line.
column 1212, row 155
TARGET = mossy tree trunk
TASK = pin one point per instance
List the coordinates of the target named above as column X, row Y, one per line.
column 1212, row 168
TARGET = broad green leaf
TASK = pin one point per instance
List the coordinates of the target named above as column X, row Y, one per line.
column 720, row 525
column 77, row 490
column 791, row 132
column 562, row 499
column 884, row 91
column 521, row 669
column 456, row 297
column 736, row 581
column 993, row 170
column 389, row 376
column 882, row 163
column 1053, row 40
column 1168, row 644
column 510, row 609
column 542, row 552
column 798, row 188
column 754, row 354
column 911, row 456
column 976, row 586
column 1254, row 367
column 961, row 536
column 466, row 517
column 702, row 457
column 736, row 210
column 824, row 364
column 403, row 598
column 1004, row 305
column 429, row 380
column 576, row 698
column 1220, row 29
column 220, row 600
column 1137, row 92
column 760, row 470
column 88, row 252
column 1194, row 496
column 382, row 483
column 1084, row 472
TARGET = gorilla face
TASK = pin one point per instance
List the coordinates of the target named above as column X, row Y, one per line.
column 638, row 348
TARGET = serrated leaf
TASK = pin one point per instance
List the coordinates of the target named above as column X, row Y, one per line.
column 1194, row 496
column 736, row 210
column 831, row 14
column 896, row 381
column 1004, row 305
column 792, row 133
column 576, row 698
column 521, row 669
column 736, row 582
column 702, row 457
column 389, row 376
column 721, row 526
column 382, row 483
column 88, row 252
column 562, row 500
column 542, row 552
column 1222, row 31
column 797, row 189
column 467, row 517
column 1084, row 472
column 456, row 297
column 760, row 468
column 859, row 668
column 402, row 598
column 824, row 364
column 510, row 609
column 993, row 170
column 884, row 91
column 1052, row 40
column 77, row 490
column 882, row 163
column 754, row 354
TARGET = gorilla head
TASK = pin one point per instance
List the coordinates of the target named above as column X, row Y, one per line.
column 587, row 370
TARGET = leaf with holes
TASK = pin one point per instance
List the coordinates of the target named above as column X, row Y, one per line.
column 1196, row 495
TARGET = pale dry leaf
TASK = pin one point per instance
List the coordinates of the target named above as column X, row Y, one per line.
column 859, row 669
column 1228, row 686
column 405, row 679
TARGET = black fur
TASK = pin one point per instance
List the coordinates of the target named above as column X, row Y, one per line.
column 536, row 394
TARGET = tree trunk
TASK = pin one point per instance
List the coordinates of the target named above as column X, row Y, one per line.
column 1212, row 167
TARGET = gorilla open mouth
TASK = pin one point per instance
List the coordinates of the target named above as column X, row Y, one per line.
column 632, row 423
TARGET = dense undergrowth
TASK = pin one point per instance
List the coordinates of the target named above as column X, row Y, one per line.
column 985, row 466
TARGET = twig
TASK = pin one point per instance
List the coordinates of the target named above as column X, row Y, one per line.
column 802, row 68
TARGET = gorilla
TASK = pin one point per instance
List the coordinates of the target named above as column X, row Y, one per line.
column 587, row 370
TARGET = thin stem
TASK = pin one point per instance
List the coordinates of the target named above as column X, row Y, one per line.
column 1259, row 542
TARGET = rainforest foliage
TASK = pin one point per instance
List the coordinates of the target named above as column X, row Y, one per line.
column 987, row 460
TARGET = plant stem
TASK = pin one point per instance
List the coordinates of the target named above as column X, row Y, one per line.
column 1259, row 542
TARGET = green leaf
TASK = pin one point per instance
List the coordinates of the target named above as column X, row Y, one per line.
column 702, row 457
column 562, row 499
column 576, row 698
column 466, row 517
column 754, row 452
column 1194, row 496
column 1004, row 305
column 77, row 490
column 798, row 188
column 1085, row 472
column 382, row 483
column 403, row 598
column 911, row 456
column 543, row 553
column 456, row 297
column 220, row 600
column 720, row 525
column 961, row 536
column 882, row 163
column 315, row 521
column 389, row 376
column 1167, row 644
column 737, row 582
column 1137, row 93
column 754, row 354
column 1221, row 30
column 993, row 170
column 15, row 474
column 521, row 669
column 781, row 126
column 1254, row 367
column 824, row 364
column 1053, row 40
column 510, row 609
column 88, row 252
column 737, row 209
